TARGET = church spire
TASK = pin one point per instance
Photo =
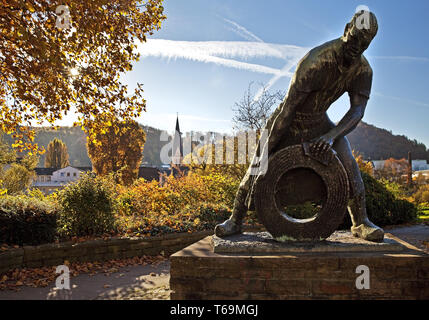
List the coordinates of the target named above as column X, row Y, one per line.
column 177, row 152
column 177, row 124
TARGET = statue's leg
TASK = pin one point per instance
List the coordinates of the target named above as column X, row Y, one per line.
column 362, row 226
column 233, row 224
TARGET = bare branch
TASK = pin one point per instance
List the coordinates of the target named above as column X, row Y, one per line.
column 253, row 110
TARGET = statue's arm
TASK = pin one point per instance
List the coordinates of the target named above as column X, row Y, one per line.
column 347, row 124
column 352, row 118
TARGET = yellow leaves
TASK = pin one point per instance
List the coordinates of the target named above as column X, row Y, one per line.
column 30, row 7
column 40, row 88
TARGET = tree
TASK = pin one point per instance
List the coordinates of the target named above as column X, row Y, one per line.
column 118, row 149
column 57, row 155
column 365, row 166
column 6, row 156
column 253, row 110
column 19, row 176
column 393, row 169
column 59, row 57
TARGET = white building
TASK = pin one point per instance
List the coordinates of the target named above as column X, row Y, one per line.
column 66, row 174
column 49, row 180
column 417, row 165
column 424, row 173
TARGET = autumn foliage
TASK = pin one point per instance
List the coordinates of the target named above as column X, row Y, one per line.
column 57, row 155
column 55, row 62
column 118, row 149
column 187, row 203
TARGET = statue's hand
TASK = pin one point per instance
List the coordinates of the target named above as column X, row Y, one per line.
column 322, row 144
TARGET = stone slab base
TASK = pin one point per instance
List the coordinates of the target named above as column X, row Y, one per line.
column 199, row 273
column 263, row 242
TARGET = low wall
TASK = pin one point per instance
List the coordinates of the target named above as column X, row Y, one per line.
column 196, row 272
column 95, row 250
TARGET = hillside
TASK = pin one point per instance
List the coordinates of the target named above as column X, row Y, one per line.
column 75, row 139
column 368, row 140
column 380, row 144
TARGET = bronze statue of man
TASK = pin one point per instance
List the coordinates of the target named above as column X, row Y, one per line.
column 321, row 77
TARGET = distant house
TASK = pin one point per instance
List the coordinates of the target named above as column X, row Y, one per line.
column 149, row 173
column 417, row 165
column 424, row 173
column 158, row 173
column 49, row 180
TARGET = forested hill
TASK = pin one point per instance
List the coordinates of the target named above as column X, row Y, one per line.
column 368, row 140
column 75, row 139
column 380, row 144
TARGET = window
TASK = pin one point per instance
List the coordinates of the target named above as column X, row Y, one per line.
column 62, row 174
column 74, row 174
column 68, row 174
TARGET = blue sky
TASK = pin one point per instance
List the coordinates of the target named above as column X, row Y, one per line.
column 206, row 53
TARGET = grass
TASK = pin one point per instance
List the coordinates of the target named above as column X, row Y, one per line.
column 424, row 215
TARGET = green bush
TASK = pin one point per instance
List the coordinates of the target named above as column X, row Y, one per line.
column 382, row 206
column 210, row 215
column 27, row 220
column 87, row 207
column 422, row 194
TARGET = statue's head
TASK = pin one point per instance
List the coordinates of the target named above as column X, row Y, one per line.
column 359, row 33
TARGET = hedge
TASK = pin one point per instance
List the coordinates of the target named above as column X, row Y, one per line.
column 27, row 221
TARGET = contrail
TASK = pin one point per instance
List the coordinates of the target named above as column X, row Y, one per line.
column 221, row 52
column 242, row 31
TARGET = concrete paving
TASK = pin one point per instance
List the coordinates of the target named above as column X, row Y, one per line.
column 150, row 281
column 417, row 235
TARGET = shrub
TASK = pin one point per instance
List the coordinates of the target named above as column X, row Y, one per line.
column 27, row 220
column 181, row 204
column 422, row 194
column 87, row 207
column 382, row 206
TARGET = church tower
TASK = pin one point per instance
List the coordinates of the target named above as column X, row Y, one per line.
column 177, row 151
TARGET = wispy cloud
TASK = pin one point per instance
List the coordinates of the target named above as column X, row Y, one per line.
column 404, row 58
column 223, row 52
column 242, row 31
column 284, row 72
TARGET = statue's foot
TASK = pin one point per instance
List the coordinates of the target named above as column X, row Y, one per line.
column 227, row 228
column 368, row 231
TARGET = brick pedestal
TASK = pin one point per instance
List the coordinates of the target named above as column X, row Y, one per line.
column 199, row 273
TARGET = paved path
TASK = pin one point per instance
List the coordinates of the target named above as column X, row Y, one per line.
column 134, row 282
column 151, row 281
column 417, row 235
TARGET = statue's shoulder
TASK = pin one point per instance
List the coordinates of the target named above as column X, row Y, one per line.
column 365, row 66
column 319, row 57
